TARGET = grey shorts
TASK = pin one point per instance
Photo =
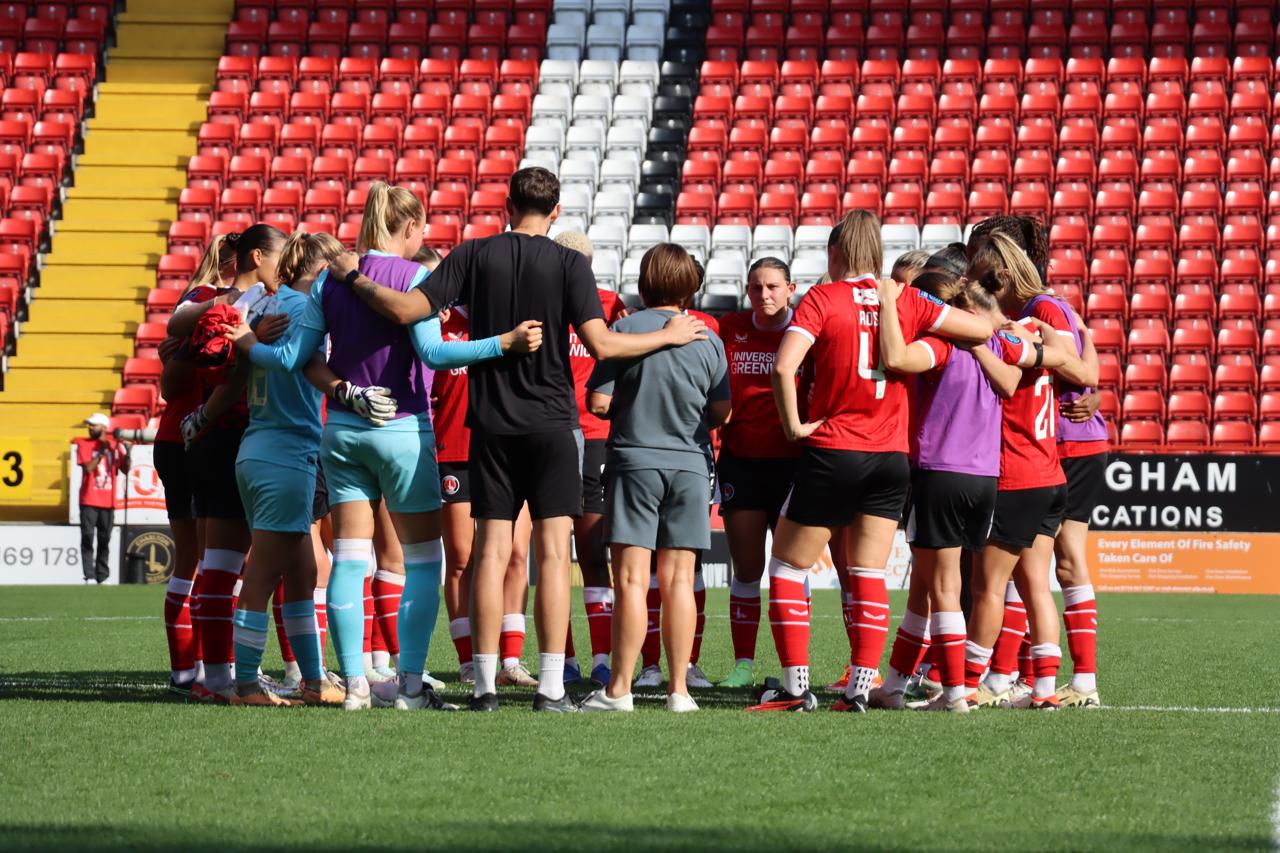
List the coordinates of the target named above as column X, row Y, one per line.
column 654, row 509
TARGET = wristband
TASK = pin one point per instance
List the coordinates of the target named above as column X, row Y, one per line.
column 350, row 278
column 1039, row 355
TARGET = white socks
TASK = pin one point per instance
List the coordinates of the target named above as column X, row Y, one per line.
column 860, row 681
column 551, row 675
column 486, row 673
column 997, row 682
column 795, row 679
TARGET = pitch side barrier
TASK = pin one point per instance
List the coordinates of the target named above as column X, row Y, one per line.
column 1202, row 523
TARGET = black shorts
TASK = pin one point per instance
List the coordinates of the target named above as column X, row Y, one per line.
column 1023, row 514
column 320, row 500
column 455, row 483
column 170, row 460
column 211, row 463
column 832, row 487
column 754, row 484
column 1085, row 477
column 950, row 510
column 593, row 457
column 541, row 469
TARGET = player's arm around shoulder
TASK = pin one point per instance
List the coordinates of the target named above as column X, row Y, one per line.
column 403, row 308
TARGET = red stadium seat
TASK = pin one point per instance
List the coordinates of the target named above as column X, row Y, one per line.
column 1187, row 435
column 1146, row 435
column 1234, row 435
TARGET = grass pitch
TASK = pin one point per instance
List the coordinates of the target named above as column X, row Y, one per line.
column 1186, row 756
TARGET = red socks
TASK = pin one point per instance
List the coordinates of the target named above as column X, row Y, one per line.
column 321, row 598
column 598, row 602
column 1026, row 671
column 368, row 617
column 511, row 640
column 277, row 603
column 221, row 572
column 976, row 659
column 910, row 644
column 789, row 613
column 460, row 633
column 1005, row 658
column 1045, row 659
column 947, row 631
column 870, row 608
column 387, row 587
column 850, row 627
column 1081, row 618
column 178, row 629
column 744, row 618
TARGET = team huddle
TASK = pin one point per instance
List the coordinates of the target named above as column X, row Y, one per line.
column 343, row 430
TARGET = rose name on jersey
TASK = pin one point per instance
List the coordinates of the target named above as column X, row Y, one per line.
column 870, row 299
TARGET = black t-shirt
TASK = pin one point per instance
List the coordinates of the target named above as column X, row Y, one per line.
column 504, row 280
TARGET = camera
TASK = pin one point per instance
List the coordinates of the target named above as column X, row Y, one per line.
column 146, row 436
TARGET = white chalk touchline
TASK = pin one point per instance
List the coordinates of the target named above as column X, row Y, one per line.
column 78, row 618
column 1275, row 818
column 723, row 616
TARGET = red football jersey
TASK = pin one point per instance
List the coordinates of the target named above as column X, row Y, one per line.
column 1028, row 439
column 449, row 396
column 754, row 429
column 712, row 323
column 1051, row 313
column 864, row 407
column 98, row 482
column 581, row 362
column 189, row 396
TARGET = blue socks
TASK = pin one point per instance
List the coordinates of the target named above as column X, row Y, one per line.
column 249, row 638
column 420, row 603
column 304, row 636
column 346, row 603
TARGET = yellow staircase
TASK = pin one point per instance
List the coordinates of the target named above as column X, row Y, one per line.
column 112, row 233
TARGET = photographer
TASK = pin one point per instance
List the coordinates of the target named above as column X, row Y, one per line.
column 100, row 457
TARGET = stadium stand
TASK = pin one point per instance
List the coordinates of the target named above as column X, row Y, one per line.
column 88, row 242
column 1140, row 133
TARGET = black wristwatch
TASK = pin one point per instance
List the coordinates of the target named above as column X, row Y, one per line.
column 1039, row 347
column 350, row 278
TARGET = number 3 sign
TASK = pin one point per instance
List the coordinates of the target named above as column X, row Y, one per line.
column 15, row 467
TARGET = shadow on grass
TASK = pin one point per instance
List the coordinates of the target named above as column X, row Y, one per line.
column 546, row 836
column 151, row 686
column 143, row 686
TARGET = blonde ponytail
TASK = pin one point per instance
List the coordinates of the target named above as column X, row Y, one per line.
column 1003, row 269
column 291, row 257
column 219, row 254
column 386, row 210
column 857, row 239
column 304, row 253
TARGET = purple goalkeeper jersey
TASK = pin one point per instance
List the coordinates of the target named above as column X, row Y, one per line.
column 368, row 349
column 1094, row 429
column 958, row 421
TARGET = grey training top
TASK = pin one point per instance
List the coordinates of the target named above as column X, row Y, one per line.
column 658, row 400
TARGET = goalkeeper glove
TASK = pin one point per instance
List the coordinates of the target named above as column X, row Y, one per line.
column 192, row 425
column 374, row 404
